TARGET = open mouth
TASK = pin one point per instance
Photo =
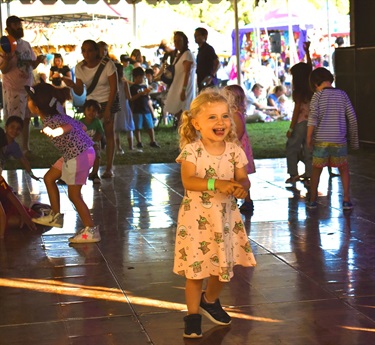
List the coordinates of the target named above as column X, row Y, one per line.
column 219, row 131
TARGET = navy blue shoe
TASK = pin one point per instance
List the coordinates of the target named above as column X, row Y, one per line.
column 214, row 312
column 193, row 327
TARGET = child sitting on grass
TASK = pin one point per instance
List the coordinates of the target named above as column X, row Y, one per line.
column 95, row 131
column 9, row 147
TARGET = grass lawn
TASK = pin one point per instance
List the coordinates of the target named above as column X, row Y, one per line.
column 267, row 139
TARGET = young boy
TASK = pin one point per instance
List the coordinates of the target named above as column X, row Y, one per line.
column 9, row 147
column 12, row 212
column 331, row 121
column 142, row 112
column 95, row 131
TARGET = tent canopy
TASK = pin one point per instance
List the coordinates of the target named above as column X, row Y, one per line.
column 37, row 12
column 278, row 19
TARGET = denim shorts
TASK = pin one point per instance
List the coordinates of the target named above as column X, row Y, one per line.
column 143, row 121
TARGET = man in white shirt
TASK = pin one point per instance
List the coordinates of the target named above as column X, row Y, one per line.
column 257, row 112
column 17, row 69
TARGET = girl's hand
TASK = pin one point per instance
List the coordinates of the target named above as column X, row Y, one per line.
column 53, row 132
column 227, row 187
column 309, row 144
column 68, row 82
column 240, row 193
column 107, row 116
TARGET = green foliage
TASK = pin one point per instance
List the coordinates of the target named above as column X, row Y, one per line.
column 209, row 13
column 268, row 141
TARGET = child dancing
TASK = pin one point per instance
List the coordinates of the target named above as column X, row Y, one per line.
column 70, row 138
column 211, row 238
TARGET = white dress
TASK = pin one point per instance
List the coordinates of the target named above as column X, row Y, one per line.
column 173, row 103
column 211, row 238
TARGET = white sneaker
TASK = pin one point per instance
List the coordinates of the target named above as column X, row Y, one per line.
column 86, row 235
column 50, row 219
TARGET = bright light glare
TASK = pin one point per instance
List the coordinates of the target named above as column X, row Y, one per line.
column 111, row 294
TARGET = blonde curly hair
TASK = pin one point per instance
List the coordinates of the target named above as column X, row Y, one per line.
column 239, row 97
column 187, row 131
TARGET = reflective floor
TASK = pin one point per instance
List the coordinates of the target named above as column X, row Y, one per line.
column 314, row 283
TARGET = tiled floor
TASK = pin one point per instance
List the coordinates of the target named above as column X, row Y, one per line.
column 314, row 282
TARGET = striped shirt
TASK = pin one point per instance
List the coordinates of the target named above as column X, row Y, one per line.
column 333, row 116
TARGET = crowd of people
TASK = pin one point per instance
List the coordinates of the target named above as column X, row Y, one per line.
column 216, row 155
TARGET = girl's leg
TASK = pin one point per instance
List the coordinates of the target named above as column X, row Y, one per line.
column 117, row 141
column 210, row 305
column 109, row 131
column 213, row 290
column 50, row 179
column 193, row 293
column 345, row 179
column 130, row 139
column 293, row 148
column 315, row 177
column 75, row 196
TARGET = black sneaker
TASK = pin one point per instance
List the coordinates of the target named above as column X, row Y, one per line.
column 155, row 144
column 214, row 312
column 140, row 146
column 193, row 327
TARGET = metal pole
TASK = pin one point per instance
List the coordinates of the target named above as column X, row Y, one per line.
column 238, row 52
column 134, row 21
column 329, row 38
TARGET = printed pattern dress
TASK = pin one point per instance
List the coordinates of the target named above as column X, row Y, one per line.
column 211, row 238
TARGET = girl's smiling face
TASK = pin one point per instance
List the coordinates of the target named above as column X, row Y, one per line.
column 213, row 122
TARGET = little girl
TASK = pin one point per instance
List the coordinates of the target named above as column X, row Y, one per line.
column 297, row 131
column 210, row 237
column 124, row 118
column 239, row 110
column 70, row 138
column 95, row 131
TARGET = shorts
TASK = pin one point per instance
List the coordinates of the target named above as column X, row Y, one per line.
column 329, row 154
column 15, row 103
column 143, row 121
column 76, row 170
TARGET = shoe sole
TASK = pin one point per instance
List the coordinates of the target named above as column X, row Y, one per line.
column 35, row 220
column 84, row 241
column 312, row 207
column 192, row 335
column 211, row 318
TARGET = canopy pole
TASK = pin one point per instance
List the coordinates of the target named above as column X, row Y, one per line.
column 330, row 63
column 134, row 21
column 238, row 53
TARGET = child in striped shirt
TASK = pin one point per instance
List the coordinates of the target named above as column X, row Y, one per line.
column 332, row 123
